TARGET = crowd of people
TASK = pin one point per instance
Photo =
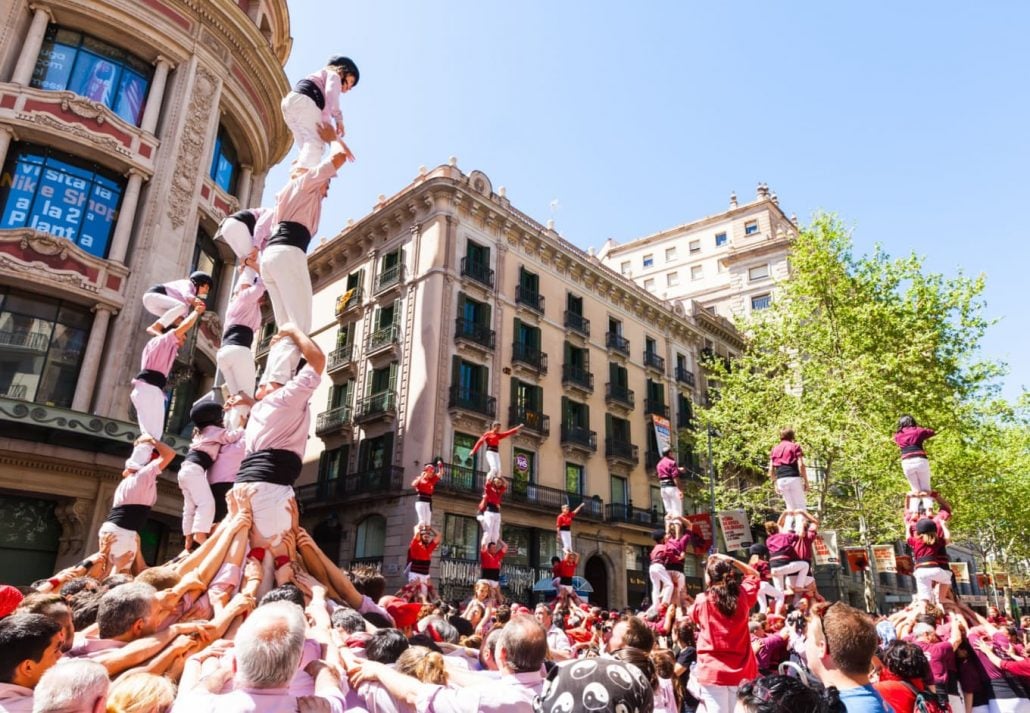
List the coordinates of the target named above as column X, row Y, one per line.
column 253, row 616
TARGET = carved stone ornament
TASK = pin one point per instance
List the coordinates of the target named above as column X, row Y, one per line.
column 106, row 142
column 69, row 278
column 81, row 106
column 44, row 244
column 74, row 519
column 194, row 136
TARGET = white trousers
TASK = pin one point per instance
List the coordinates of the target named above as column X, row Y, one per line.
column 198, row 504
column 917, row 472
column 237, row 235
column 167, row 309
column 925, row 579
column 284, row 269
column 493, row 463
column 491, row 527
column 270, row 506
column 679, row 587
column 782, row 574
column 661, row 585
column 792, row 490
column 718, row 699
column 424, row 512
column 566, row 539
column 236, row 364
column 149, row 402
column 1008, row 705
column 125, row 541
column 766, row 592
column 672, row 501
column 303, row 116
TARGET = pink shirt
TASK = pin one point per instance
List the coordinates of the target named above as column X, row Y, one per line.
column 667, row 469
column 503, row 695
column 281, row 419
column 300, row 200
column 89, row 648
column 330, row 83
column 250, row 700
column 227, row 464
column 786, row 453
column 245, row 307
column 159, row 352
column 15, row 699
column 139, row 488
column 183, row 290
column 724, row 657
column 211, row 439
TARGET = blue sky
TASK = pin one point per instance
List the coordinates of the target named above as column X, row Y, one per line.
column 910, row 120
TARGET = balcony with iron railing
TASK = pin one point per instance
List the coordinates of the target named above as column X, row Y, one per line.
column 333, row 421
column 383, row 338
column 529, row 355
column 475, row 270
column 470, row 400
column 577, row 377
column 472, row 332
column 577, row 323
column 375, row 406
column 348, row 300
column 621, row 451
column 529, row 298
column 340, row 357
column 376, row 481
column 29, row 341
column 626, row 513
column 616, row 343
column 468, row 482
column 685, row 376
column 532, row 420
column 653, row 361
column 685, row 418
column 619, row 395
column 579, row 437
column 390, row 277
column 658, row 408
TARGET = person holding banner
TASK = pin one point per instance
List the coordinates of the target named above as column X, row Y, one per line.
column 668, row 479
column 789, row 475
column 564, row 525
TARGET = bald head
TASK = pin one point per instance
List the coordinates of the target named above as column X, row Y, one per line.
column 523, row 645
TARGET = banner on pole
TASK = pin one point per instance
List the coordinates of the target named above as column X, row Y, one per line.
column 702, row 522
column 736, row 533
column 825, row 548
column 961, row 572
column 883, row 555
column 662, row 432
column 858, row 558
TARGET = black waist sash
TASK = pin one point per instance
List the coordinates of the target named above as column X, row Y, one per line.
column 311, row 90
column 929, row 560
column 130, row 517
column 159, row 289
column 420, row 566
column 238, row 334
column 423, row 498
column 492, row 449
column 490, row 507
column 275, row 465
column 201, row 458
column 790, row 470
column 153, row 377
column 565, row 528
column 567, row 581
column 916, row 449
column 778, row 559
column 247, row 217
column 291, row 233
column 674, row 566
column 494, row 575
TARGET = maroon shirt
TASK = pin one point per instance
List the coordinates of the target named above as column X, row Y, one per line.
column 941, row 657
column 786, row 453
column 771, row 653
column 910, row 441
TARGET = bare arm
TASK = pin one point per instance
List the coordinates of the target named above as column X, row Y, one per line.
column 190, row 320
column 399, row 686
column 308, row 349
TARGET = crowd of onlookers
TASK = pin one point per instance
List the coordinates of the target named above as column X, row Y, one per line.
column 220, row 630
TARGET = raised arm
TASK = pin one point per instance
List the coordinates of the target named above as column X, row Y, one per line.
column 190, row 320
column 308, row 349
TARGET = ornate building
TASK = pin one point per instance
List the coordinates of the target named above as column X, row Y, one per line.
column 128, row 130
column 445, row 309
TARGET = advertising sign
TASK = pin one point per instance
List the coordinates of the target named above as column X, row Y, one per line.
column 858, row 558
column 736, row 533
column 883, row 555
column 961, row 572
column 825, row 548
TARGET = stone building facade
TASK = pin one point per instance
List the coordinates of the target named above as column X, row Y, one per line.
column 128, row 130
column 446, row 309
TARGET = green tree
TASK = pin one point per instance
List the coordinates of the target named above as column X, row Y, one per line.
column 849, row 344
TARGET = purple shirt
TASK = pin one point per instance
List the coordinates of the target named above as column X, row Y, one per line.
column 667, row 469
column 183, row 290
column 15, row 699
column 245, row 307
column 300, row 200
column 772, row 651
column 330, row 83
column 281, row 419
column 140, row 487
column 227, row 464
column 941, row 657
column 211, row 439
column 250, row 700
column 159, row 352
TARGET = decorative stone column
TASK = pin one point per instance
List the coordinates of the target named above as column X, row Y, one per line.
column 31, row 45
column 156, row 95
column 243, row 186
column 91, row 358
column 126, row 217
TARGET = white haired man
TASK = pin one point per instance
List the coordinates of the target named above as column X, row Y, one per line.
column 73, row 687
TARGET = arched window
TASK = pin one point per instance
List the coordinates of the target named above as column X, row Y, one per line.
column 371, row 537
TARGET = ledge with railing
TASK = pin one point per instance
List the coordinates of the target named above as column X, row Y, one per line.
column 529, row 298
column 621, row 450
column 616, row 393
column 348, row 300
column 658, row 408
column 577, row 323
column 333, row 420
column 375, row 481
column 383, row 338
column 476, row 401
column 375, row 405
column 685, row 376
column 340, row 357
column 616, row 343
column 578, row 436
column 529, row 355
column 30, row 341
column 389, row 277
column 654, row 361
column 475, row 270
column 533, row 420
column 622, row 512
column 466, row 330
column 577, row 376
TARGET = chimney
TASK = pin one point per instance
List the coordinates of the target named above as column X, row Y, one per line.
column 733, row 199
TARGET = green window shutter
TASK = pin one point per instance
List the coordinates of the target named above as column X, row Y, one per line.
column 608, row 431
column 461, row 305
column 537, row 393
column 483, row 313
column 369, row 381
column 566, row 414
column 393, row 377
column 518, row 329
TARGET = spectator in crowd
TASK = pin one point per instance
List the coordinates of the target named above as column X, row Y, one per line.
column 30, row 644
column 840, row 644
column 73, row 687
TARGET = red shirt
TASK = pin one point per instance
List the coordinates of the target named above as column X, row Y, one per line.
column 489, row 561
column 724, row 657
column 493, row 494
column 493, row 440
column 785, row 453
column 417, row 551
column 565, row 568
column 762, row 567
column 781, row 545
column 897, row 695
column 803, row 547
column 565, row 519
column 426, row 482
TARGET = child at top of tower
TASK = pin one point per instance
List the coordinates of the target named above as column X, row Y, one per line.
column 314, row 101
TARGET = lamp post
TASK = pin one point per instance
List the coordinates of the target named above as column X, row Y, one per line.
column 711, row 473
